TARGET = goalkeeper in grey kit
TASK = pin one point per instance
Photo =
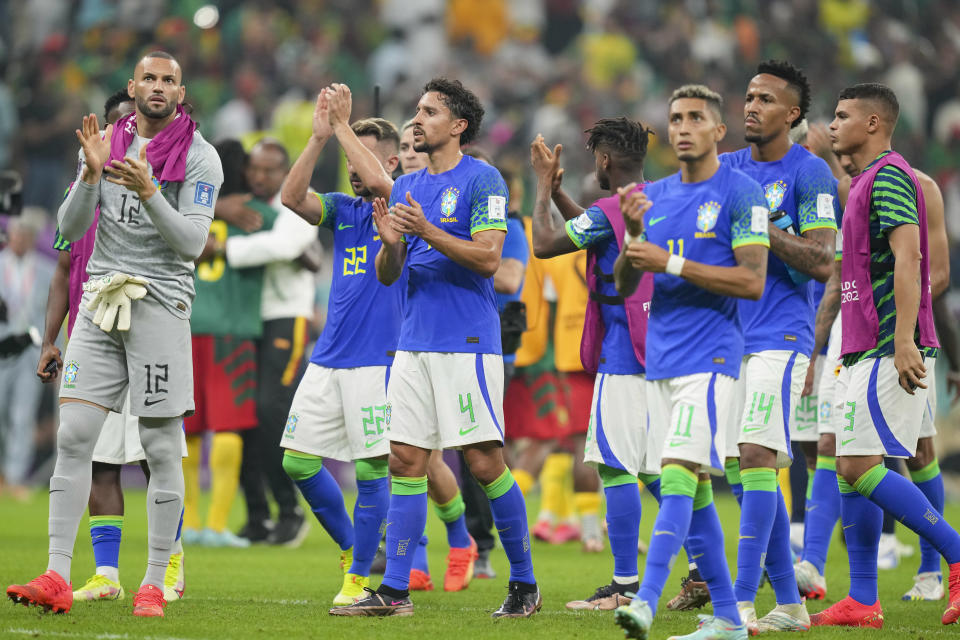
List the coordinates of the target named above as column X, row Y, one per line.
column 155, row 180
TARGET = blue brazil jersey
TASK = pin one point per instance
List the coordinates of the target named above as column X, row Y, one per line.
column 450, row 308
column 692, row 330
column 592, row 230
column 363, row 316
column 515, row 247
column 802, row 185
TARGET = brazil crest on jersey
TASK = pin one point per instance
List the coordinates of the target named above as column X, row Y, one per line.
column 692, row 330
column 801, row 184
column 450, row 308
column 363, row 316
column 228, row 299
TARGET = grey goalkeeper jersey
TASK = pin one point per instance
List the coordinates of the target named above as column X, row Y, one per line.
column 128, row 240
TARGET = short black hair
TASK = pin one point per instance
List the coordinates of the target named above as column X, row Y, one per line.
column 795, row 79
column 115, row 101
column 878, row 93
column 624, row 137
column 462, row 103
column 160, row 54
column 380, row 128
column 233, row 158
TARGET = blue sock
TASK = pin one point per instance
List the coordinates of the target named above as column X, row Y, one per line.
column 652, row 484
column 105, row 533
column 706, row 544
column 823, row 510
column 420, row 560
column 510, row 517
column 452, row 516
column 369, row 513
column 406, row 520
column 779, row 562
column 623, row 525
column 757, row 512
column 930, row 481
column 907, row 503
column 678, row 487
column 862, row 520
column 326, row 501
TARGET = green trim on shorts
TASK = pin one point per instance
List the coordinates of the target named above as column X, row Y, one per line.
column 301, row 466
column 371, row 469
column 408, row 486
column 759, row 479
column 827, row 462
column 106, row 521
column 500, row 486
column 844, row 485
column 613, row 477
column 929, row 472
column 677, row 480
column 450, row 511
column 731, row 469
column 866, row 483
column 810, row 474
column 648, row 478
column 704, row 496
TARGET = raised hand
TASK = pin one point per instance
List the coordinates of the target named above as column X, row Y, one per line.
column 546, row 163
column 322, row 131
column 341, row 103
column 134, row 174
column 96, row 148
column 633, row 205
column 382, row 218
column 409, row 218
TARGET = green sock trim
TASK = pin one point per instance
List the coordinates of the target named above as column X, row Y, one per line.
column 450, row 511
column 648, row 478
column 408, row 486
column 866, row 483
column 844, row 485
column 704, row 495
column 500, row 486
column 759, row 479
column 827, row 462
column 810, row 474
column 301, row 466
column 371, row 469
column 676, row 480
column 106, row 521
column 613, row 477
column 731, row 469
column 929, row 472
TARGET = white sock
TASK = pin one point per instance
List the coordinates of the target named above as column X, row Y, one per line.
column 160, row 438
column 110, row 573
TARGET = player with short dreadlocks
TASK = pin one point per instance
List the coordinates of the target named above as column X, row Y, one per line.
column 614, row 335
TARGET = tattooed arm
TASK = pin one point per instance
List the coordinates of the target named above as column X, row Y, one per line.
column 811, row 253
column 827, row 311
column 550, row 236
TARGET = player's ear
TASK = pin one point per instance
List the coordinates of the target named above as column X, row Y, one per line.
column 130, row 88
column 721, row 131
column 873, row 123
column 459, row 126
column 182, row 93
column 391, row 164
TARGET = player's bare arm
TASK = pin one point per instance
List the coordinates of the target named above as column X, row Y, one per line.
column 393, row 253
column 364, row 162
column 905, row 246
column 565, row 204
column 811, row 253
column 58, row 304
column 937, row 243
column 295, row 188
column 480, row 254
column 746, row 280
column 823, row 322
column 509, row 277
column 633, row 206
column 549, row 233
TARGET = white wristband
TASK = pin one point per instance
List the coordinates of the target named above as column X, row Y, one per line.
column 627, row 238
column 675, row 265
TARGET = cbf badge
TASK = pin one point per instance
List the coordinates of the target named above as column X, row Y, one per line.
column 707, row 215
column 774, row 192
column 387, row 412
column 448, row 204
column 291, row 425
column 70, row 372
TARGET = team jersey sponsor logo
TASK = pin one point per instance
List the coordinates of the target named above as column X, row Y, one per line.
column 448, row 204
column 291, row 425
column 204, row 195
column 707, row 215
column 774, row 192
column 70, row 372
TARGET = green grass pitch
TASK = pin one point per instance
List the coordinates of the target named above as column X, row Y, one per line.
column 265, row 592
